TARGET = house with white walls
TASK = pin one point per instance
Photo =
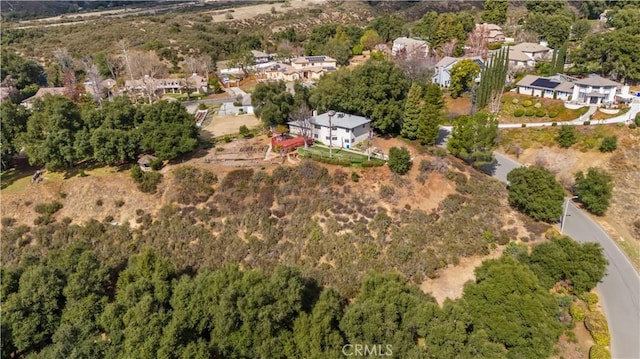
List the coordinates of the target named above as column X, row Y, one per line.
column 340, row 130
column 442, row 71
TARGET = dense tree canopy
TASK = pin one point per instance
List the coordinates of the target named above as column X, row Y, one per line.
column 376, row 89
column 388, row 26
column 510, row 304
column 563, row 259
column 495, row 11
column 594, row 190
column 23, row 72
column 463, row 76
column 60, row 133
column 14, row 121
column 536, row 192
column 272, row 103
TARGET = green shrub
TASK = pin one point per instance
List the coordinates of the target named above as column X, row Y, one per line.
column 202, row 106
column 589, row 298
column 529, row 112
column 553, row 114
column 494, row 46
column 586, row 123
column 48, row 209
column 374, row 162
column 566, row 136
column 355, row 177
column 227, row 139
column 633, row 126
column 527, row 103
column 8, row 221
column 118, row 203
column 524, row 125
column 596, row 324
column 237, row 103
column 599, row 352
column 609, row 144
column 537, row 105
column 147, row 181
column 156, row 164
column 515, row 101
column 357, row 49
column 99, row 203
column 540, row 113
column 399, row 160
column 518, row 113
column 554, row 124
column 577, row 311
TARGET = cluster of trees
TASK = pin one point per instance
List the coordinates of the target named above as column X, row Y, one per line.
column 612, row 53
column 376, row 90
column 536, row 192
column 551, row 20
column 445, row 32
column 423, row 113
column 57, row 132
column 21, row 76
column 72, row 304
column 492, row 80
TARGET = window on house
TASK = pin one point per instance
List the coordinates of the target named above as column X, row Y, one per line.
column 334, row 128
column 326, row 138
column 347, row 130
column 363, row 125
column 317, row 127
column 315, row 135
column 346, row 141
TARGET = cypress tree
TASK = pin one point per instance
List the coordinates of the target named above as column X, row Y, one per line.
column 412, row 109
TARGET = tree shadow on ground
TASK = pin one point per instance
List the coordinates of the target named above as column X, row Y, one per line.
column 21, row 169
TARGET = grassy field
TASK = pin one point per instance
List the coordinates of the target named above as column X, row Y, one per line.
column 337, row 153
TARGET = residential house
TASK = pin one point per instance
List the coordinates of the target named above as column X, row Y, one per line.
column 310, row 68
column 194, row 82
column 595, row 90
column 442, row 75
column 527, row 53
column 493, row 32
column 591, row 90
column 42, row 92
column 304, row 62
column 409, row 47
column 557, row 87
column 340, row 130
column 261, row 57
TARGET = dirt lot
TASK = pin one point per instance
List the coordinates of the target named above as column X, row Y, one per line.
column 227, row 125
column 248, row 12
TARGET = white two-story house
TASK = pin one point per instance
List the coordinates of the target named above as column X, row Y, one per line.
column 595, row 90
column 527, row 54
column 340, row 130
column 410, row 47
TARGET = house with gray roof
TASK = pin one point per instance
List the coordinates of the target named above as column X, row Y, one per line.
column 595, row 90
column 409, row 47
column 557, row 87
column 526, row 54
column 340, row 130
column 442, row 73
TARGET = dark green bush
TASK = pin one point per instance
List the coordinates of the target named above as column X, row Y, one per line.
column 554, row 124
column 633, row 126
column 355, row 177
column 399, row 160
column 529, row 112
column 553, row 114
column 609, row 144
column 48, row 209
column 518, row 113
column 524, row 125
column 147, row 181
column 566, row 137
column 540, row 113
column 586, row 123
column 156, row 164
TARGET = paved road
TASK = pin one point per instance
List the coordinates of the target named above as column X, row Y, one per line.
column 619, row 290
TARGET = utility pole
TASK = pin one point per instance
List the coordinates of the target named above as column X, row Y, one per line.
column 331, row 113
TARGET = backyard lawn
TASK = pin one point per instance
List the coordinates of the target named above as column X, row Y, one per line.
column 322, row 153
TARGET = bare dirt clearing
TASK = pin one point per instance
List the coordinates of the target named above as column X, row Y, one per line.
column 227, row 125
column 248, row 12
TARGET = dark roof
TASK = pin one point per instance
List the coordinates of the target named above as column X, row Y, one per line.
column 545, row 83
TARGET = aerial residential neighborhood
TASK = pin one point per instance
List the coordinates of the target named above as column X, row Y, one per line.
column 320, row 179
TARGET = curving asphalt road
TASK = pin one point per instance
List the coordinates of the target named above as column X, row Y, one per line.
column 619, row 290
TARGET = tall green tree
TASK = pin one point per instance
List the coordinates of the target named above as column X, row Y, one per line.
column 594, row 190
column 611, row 54
column 399, row 160
column 563, row 259
column 473, row 138
column 463, row 75
column 412, row 112
column 51, row 133
column 580, row 28
column 167, row 130
column 14, row 122
column 424, row 29
column 24, row 72
column 536, row 192
column 376, row 89
column 495, row 12
column 317, row 334
column 555, row 28
column 492, row 80
column 431, row 115
column 272, row 103
column 388, row 26
column 566, row 136
column 509, row 303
